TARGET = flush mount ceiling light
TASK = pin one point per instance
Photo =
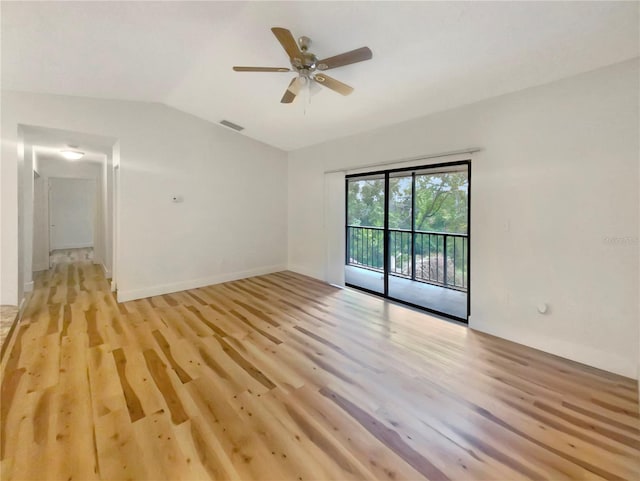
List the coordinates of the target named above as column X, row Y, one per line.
column 71, row 153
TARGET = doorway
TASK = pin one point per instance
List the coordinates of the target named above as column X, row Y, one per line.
column 407, row 236
column 69, row 201
column 72, row 218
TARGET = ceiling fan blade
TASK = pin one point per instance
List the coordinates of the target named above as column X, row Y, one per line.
column 333, row 84
column 292, row 90
column 347, row 58
column 262, row 69
column 288, row 42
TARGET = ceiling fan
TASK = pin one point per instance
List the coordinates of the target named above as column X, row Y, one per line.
column 307, row 65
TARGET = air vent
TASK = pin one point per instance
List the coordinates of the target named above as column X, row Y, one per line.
column 231, row 125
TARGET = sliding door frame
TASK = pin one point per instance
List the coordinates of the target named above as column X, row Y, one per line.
column 387, row 261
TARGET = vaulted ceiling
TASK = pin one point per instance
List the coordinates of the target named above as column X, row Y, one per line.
column 427, row 56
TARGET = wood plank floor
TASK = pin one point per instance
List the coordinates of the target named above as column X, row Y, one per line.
column 282, row 377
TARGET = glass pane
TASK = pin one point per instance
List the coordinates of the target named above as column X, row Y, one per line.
column 440, row 273
column 432, row 296
column 365, row 247
column 365, row 234
column 369, row 279
column 400, row 253
column 400, row 203
column 427, row 267
column 441, row 202
column 365, row 203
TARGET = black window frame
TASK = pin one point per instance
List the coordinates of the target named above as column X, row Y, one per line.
column 386, row 173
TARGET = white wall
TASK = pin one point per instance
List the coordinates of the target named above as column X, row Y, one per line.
column 27, row 217
column 40, row 224
column 554, row 209
column 232, row 222
column 9, row 226
column 72, row 207
column 106, row 216
column 22, row 170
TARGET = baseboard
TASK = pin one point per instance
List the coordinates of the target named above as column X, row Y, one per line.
column 105, row 271
column 72, row 246
column 28, row 286
column 23, row 303
column 133, row 294
column 588, row 356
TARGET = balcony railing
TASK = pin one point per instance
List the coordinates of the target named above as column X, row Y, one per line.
column 365, row 247
column 439, row 257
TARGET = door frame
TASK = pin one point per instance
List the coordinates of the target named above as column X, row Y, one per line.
column 386, row 174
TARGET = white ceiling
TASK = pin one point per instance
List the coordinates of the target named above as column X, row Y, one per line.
column 49, row 142
column 427, row 56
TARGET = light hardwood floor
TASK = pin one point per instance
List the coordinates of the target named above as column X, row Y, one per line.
column 66, row 256
column 282, row 377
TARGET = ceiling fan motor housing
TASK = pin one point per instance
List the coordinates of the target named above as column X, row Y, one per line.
column 307, row 63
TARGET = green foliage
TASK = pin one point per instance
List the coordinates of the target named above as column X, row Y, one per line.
column 366, row 203
column 441, row 206
column 440, row 203
column 400, row 203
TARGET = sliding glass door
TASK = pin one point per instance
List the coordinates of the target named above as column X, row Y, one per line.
column 365, row 232
column 407, row 236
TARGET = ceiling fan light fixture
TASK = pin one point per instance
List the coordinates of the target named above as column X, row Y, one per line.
column 70, row 154
column 305, row 63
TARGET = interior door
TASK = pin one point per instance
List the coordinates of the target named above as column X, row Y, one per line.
column 71, row 213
